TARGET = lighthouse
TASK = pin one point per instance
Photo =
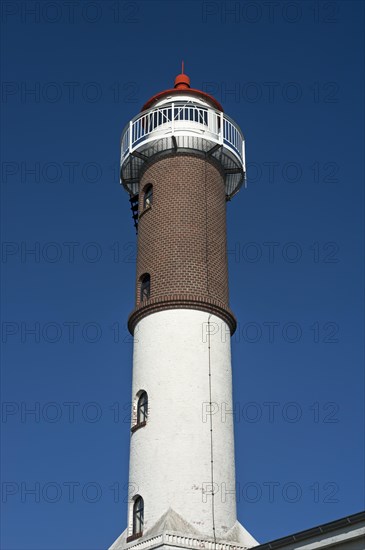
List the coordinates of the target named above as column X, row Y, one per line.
column 182, row 159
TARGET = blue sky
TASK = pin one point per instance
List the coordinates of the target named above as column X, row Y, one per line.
column 291, row 75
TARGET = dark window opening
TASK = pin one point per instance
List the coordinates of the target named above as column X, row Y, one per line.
column 145, row 287
column 138, row 513
column 148, row 196
column 142, row 408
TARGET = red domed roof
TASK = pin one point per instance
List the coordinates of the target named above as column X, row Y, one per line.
column 182, row 82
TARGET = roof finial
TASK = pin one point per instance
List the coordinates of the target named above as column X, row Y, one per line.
column 182, row 80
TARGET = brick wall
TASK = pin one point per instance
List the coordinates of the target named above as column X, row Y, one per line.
column 182, row 238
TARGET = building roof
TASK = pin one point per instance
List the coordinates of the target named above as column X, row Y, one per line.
column 313, row 531
column 182, row 84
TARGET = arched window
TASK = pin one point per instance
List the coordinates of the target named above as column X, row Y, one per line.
column 148, row 196
column 142, row 408
column 145, row 287
column 138, row 512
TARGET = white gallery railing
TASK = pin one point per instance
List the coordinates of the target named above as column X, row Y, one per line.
column 180, row 119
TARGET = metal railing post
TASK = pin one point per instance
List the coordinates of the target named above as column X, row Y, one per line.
column 130, row 136
column 221, row 129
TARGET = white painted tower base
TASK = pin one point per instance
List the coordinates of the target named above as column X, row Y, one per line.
column 182, row 460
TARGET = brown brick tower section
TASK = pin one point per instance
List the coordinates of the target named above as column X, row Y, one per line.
column 182, row 238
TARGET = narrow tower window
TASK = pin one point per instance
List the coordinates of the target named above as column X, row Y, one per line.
column 145, row 287
column 142, row 408
column 148, row 196
column 138, row 512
